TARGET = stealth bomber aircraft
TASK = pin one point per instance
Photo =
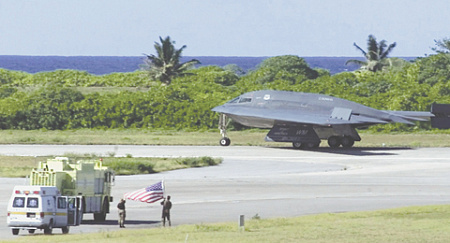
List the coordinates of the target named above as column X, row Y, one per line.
column 304, row 119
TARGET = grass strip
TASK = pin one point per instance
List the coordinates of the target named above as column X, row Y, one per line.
column 408, row 224
column 253, row 137
column 21, row 166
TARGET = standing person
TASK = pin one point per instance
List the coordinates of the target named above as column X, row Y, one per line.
column 167, row 205
column 122, row 214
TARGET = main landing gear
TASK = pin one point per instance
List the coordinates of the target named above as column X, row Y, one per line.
column 345, row 141
column 309, row 145
column 223, row 123
column 333, row 142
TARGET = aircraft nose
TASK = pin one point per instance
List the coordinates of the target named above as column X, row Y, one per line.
column 218, row 108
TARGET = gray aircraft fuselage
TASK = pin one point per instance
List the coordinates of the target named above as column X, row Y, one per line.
column 305, row 118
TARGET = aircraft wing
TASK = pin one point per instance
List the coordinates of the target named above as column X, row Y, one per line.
column 300, row 117
column 412, row 115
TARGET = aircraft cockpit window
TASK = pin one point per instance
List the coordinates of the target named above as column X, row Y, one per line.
column 235, row 100
column 245, row 100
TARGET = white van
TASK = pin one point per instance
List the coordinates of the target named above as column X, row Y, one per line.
column 42, row 207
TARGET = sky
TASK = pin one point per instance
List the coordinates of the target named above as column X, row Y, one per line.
column 220, row 27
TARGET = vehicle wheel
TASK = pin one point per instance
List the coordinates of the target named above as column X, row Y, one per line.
column 15, row 231
column 49, row 229
column 334, row 141
column 225, row 141
column 83, row 209
column 100, row 217
column 347, row 142
column 312, row 145
column 31, row 231
column 297, row 145
column 65, row 230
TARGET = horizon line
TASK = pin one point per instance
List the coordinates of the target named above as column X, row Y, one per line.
column 194, row 56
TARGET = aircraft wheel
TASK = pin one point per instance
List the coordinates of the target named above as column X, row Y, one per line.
column 225, row 141
column 297, row 145
column 347, row 142
column 15, row 231
column 334, row 141
column 31, row 231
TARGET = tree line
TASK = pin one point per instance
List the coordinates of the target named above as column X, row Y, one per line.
column 69, row 99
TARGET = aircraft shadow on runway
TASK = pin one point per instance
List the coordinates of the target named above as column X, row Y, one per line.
column 355, row 151
column 114, row 222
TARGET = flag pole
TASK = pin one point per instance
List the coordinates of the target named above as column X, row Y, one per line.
column 163, row 188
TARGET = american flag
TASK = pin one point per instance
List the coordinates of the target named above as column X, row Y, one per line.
column 149, row 194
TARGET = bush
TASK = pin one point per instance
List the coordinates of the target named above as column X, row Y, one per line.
column 199, row 162
column 48, row 100
column 133, row 166
column 129, row 167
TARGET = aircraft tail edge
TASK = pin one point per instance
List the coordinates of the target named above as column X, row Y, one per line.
column 441, row 119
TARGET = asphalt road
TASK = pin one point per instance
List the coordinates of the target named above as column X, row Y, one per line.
column 263, row 181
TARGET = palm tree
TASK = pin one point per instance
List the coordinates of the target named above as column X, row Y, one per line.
column 443, row 46
column 376, row 55
column 166, row 65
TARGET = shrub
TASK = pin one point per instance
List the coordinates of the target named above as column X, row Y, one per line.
column 199, row 162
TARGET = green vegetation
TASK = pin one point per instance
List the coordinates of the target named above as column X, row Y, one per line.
column 376, row 55
column 442, row 46
column 21, row 166
column 409, row 224
column 134, row 166
column 69, row 99
column 253, row 137
column 16, row 166
column 166, row 65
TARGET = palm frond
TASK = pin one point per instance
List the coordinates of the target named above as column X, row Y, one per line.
column 388, row 50
column 442, row 46
column 381, row 46
column 358, row 62
column 359, row 48
column 186, row 65
column 372, row 48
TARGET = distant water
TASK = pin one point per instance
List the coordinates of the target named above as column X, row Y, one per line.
column 100, row 65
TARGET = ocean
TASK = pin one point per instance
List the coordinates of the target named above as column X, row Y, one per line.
column 100, row 65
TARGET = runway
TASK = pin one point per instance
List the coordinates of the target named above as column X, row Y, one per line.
column 264, row 181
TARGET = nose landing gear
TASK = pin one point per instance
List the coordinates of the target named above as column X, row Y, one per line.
column 223, row 123
column 225, row 141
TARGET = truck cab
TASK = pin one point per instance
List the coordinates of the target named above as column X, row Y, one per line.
column 44, row 208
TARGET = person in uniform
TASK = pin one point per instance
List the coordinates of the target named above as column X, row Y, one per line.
column 167, row 205
column 122, row 214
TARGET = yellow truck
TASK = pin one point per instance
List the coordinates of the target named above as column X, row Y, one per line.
column 86, row 178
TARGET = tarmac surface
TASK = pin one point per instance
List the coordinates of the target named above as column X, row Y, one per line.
column 264, row 181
